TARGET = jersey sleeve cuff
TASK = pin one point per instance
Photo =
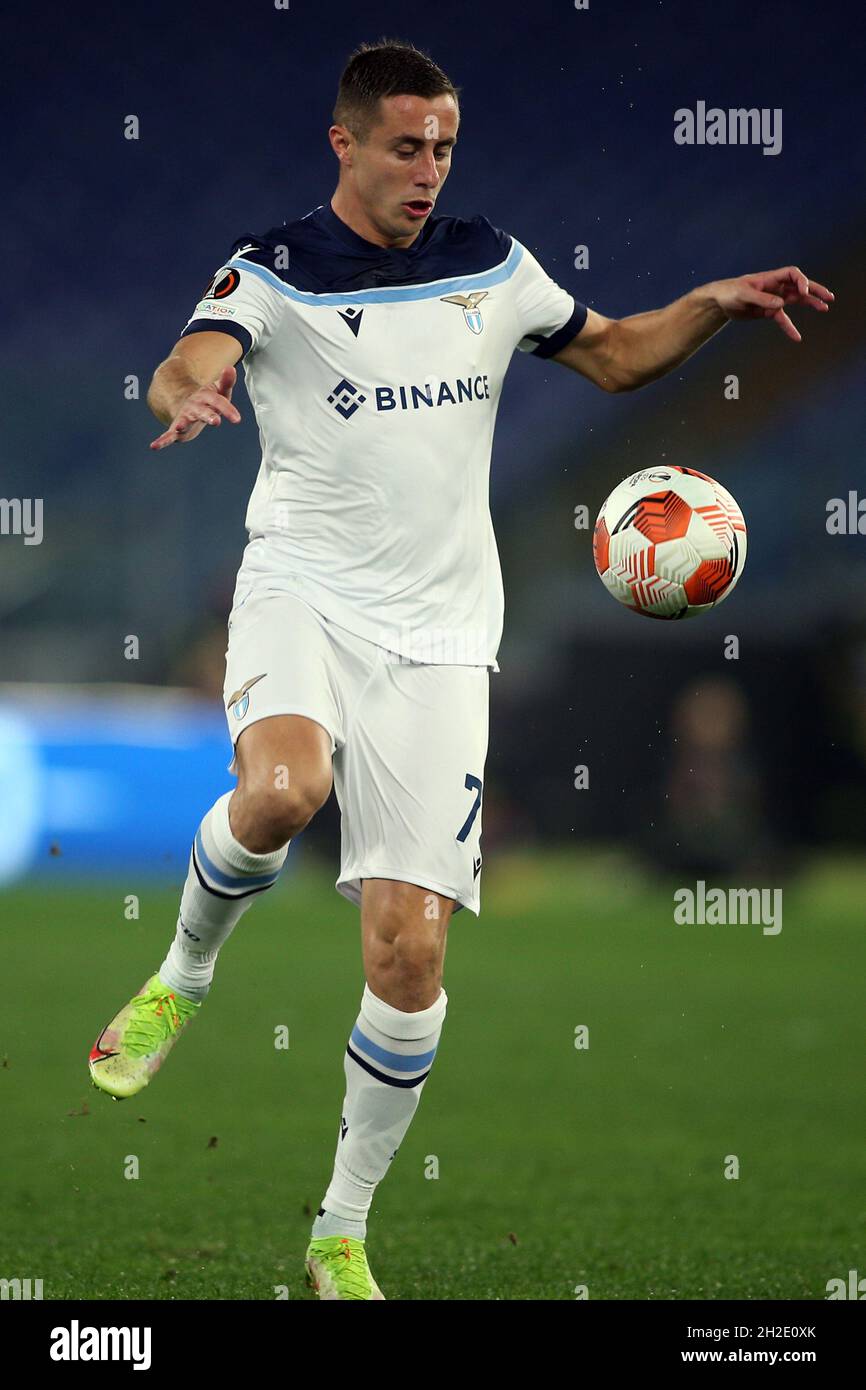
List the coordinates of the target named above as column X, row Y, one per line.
column 236, row 330
column 548, row 347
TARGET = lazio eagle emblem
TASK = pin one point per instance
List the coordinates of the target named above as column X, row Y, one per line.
column 469, row 304
column 239, row 702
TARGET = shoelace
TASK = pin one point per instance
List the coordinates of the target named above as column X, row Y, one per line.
column 349, row 1269
column 156, row 1016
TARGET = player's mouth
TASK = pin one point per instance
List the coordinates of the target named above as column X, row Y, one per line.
column 418, row 207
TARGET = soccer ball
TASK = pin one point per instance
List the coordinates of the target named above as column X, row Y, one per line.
column 669, row 542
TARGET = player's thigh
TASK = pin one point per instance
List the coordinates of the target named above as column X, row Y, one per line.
column 283, row 704
column 280, row 660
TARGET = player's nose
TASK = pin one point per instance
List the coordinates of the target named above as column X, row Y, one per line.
column 429, row 172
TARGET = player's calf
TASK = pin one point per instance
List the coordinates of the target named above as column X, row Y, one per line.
column 224, row 879
column 388, row 1058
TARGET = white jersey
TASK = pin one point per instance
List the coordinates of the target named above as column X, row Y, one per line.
column 375, row 376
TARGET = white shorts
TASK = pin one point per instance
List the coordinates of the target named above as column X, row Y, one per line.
column 408, row 740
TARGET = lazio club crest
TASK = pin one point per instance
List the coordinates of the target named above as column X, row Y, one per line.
column 239, row 703
column 469, row 304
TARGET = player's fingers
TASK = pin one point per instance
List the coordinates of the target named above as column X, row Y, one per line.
column 214, row 401
column 800, row 281
column 788, row 279
column 198, row 411
column 224, row 385
column 769, row 280
column 188, row 425
column 175, row 434
column 810, row 291
column 821, row 291
column 178, row 432
column 226, row 409
column 764, row 301
column 226, row 380
column 210, row 407
column 787, row 327
column 207, row 410
column 163, row 441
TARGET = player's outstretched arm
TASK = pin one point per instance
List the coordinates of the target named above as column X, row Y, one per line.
column 622, row 354
column 193, row 387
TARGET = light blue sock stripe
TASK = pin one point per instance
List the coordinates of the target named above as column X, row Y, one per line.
column 226, row 880
column 395, row 1060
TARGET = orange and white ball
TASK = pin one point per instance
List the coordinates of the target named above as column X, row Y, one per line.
column 669, row 542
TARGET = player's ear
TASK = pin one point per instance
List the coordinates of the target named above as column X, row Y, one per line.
column 341, row 140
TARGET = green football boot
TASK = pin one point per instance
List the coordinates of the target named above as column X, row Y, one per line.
column 337, row 1268
column 137, row 1041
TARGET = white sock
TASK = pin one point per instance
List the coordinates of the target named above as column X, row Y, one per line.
column 326, row 1224
column 387, row 1062
column 222, row 881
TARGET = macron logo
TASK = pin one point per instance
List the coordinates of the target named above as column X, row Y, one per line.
column 77, row 1343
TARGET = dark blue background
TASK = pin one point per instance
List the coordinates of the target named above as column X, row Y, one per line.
column 566, row 138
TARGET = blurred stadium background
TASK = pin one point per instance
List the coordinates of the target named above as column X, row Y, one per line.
column 750, row 771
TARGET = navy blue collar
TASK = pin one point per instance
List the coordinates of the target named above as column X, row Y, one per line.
column 327, row 257
column 340, row 229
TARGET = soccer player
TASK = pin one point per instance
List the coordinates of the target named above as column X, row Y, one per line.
column 368, row 610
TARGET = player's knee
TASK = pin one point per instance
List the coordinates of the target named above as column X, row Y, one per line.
column 406, row 971
column 279, row 813
column 406, row 932
column 416, row 955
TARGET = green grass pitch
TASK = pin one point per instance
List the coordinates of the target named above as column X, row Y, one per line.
column 557, row 1167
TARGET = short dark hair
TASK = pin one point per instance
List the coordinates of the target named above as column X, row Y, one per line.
column 388, row 68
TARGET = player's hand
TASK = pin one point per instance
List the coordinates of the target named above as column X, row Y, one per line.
column 209, row 405
column 766, row 295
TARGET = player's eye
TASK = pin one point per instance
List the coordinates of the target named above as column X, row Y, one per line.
column 440, row 154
